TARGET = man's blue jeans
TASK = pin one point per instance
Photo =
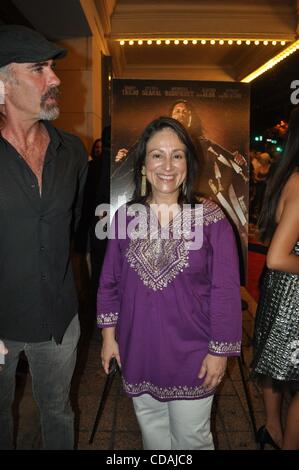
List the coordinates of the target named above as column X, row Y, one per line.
column 51, row 367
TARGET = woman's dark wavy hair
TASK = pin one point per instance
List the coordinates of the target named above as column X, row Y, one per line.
column 139, row 154
column 288, row 164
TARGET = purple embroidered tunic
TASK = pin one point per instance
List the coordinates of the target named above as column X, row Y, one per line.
column 172, row 306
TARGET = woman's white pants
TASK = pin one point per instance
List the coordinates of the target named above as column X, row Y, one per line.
column 176, row 424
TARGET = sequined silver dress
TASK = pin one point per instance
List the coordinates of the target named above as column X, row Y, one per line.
column 276, row 332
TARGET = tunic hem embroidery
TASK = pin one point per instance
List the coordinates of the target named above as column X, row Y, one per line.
column 166, row 393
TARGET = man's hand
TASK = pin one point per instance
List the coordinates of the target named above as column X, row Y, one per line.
column 213, row 368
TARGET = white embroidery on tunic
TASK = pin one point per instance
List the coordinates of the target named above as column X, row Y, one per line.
column 169, row 393
column 223, row 347
column 158, row 260
column 107, row 318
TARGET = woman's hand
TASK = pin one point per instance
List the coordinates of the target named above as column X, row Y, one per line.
column 109, row 348
column 213, row 368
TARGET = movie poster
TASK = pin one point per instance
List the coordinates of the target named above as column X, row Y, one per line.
column 217, row 117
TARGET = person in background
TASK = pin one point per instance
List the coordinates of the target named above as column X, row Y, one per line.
column 96, row 150
column 260, row 168
column 276, row 335
column 170, row 313
column 88, row 247
column 261, row 164
column 82, row 243
column 42, row 177
column 101, row 195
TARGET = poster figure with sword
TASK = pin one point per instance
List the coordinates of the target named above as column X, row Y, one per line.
column 224, row 172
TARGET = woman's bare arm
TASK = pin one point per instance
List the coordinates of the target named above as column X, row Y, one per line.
column 280, row 256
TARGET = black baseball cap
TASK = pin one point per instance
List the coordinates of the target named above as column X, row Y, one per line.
column 21, row 44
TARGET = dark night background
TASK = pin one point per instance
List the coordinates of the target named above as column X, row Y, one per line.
column 270, row 95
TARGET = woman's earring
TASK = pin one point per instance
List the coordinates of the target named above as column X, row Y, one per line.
column 184, row 189
column 143, row 181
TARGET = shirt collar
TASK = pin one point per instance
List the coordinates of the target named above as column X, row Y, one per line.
column 55, row 137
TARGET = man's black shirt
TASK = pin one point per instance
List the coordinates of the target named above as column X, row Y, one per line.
column 37, row 293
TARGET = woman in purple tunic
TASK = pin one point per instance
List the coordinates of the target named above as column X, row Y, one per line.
column 169, row 299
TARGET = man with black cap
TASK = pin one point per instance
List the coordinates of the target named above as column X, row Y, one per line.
column 42, row 176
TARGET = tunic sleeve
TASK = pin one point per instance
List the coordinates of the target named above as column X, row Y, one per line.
column 108, row 295
column 225, row 300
